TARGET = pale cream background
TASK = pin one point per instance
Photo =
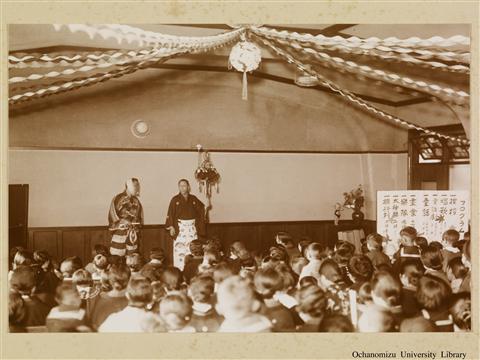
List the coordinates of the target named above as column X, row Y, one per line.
column 235, row 346
column 74, row 188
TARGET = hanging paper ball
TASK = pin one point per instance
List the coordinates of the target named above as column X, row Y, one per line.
column 245, row 56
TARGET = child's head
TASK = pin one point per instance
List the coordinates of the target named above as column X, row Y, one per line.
column 152, row 273
column 330, row 273
column 411, row 270
column 236, row 298
column 421, row 242
column 336, row 323
column 408, row 235
column 236, row 249
column 42, row 258
column 456, row 269
column 211, row 257
column 461, row 310
column 22, row 257
column 303, row 243
column 223, row 271
column 139, row 291
column 278, row 253
column 82, row 280
column 298, row 263
column 70, row 265
column 118, row 276
column 374, row 320
column 360, row 268
column 307, row 281
column 436, row 244
column 344, row 250
column 285, row 239
column 23, row 280
column 17, row 311
column 196, row 248
column 135, row 262
column 433, row 293
column 176, row 310
column 213, row 243
column 386, row 289
column 432, row 258
column 100, row 249
column 201, row 289
column 267, row 282
column 172, row 278
column 450, row 237
column 157, row 255
column 374, row 242
column 100, row 261
column 315, row 251
column 68, row 295
column 312, row 301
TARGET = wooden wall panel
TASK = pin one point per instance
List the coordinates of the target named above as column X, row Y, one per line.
column 79, row 241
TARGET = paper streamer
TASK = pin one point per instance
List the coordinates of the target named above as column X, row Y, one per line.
column 350, row 97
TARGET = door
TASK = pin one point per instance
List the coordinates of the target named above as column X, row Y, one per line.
column 17, row 215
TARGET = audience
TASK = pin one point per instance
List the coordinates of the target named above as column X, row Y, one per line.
column 293, row 286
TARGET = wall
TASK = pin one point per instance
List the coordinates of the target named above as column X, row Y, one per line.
column 74, row 188
column 459, row 177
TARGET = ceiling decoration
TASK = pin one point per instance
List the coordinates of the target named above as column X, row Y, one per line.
column 433, row 68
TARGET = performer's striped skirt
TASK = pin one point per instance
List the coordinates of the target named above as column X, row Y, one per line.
column 123, row 243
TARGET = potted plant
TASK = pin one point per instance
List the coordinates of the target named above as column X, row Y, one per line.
column 355, row 200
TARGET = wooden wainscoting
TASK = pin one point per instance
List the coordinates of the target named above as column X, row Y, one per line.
column 62, row 242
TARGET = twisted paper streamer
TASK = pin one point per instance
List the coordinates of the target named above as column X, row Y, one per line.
column 449, row 95
column 349, row 96
column 410, row 46
column 52, row 74
column 130, row 34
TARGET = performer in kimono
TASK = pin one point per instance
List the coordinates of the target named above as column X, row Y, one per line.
column 185, row 222
column 125, row 218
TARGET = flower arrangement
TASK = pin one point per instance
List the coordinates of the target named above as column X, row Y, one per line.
column 206, row 174
column 354, row 199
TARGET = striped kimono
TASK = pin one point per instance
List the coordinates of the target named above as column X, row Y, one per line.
column 124, row 219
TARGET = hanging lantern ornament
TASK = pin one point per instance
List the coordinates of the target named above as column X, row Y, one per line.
column 244, row 57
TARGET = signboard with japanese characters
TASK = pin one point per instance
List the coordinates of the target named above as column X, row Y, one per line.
column 430, row 212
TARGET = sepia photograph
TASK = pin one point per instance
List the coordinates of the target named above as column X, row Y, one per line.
column 203, row 178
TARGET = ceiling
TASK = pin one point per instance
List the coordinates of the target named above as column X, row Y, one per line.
column 42, row 38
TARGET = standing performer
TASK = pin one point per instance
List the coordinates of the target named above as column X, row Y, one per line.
column 124, row 219
column 185, row 221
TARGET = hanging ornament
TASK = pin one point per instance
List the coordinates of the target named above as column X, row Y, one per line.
column 245, row 57
column 207, row 177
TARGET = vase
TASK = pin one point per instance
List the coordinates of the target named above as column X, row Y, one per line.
column 357, row 216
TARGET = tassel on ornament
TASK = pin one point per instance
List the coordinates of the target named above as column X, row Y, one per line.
column 244, row 87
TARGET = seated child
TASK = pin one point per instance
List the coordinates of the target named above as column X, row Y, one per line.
column 456, row 273
column 336, row 323
column 107, row 303
column 466, row 260
column 172, row 279
column 99, row 267
column 83, row 282
column 278, row 253
column 16, row 313
column 236, row 302
column 285, row 239
column 386, row 293
column 461, row 311
column 236, row 249
column 408, row 249
column 157, row 259
column 23, row 282
column 133, row 318
column 268, row 282
column 69, row 266
column 343, row 252
column 314, row 253
column 214, row 244
column 375, row 250
column 331, row 281
column 311, row 308
column 158, row 293
column 222, row 271
column 433, row 262
column 375, row 320
column 211, row 258
column 204, row 318
column 433, row 296
column 411, row 270
column 46, row 277
column 68, row 316
column 359, row 270
column 303, row 243
column 135, row 262
column 98, row 249
column 298, row 264
column 193, row 260
column 449, row 251
column 176, row 312
column 421, row 242
column 21, row 257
